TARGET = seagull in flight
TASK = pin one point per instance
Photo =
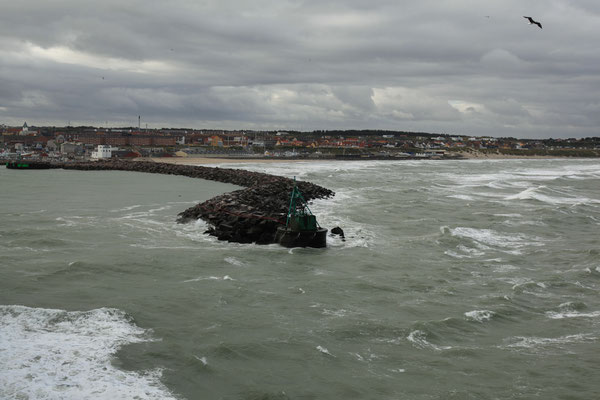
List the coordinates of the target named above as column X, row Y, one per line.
column 531, row 21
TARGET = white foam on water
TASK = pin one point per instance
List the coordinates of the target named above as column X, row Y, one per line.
column 517, row 281
column 522, row 222
column 469, row 252
column 496, row 185
column 394, row 341
column 532, row 193
column 505, row 268
column 527, row 286
column 210, row 278
column 55, row 354
column 462, row 197
column 21, row 249
column 157, row 247
column 194, row 231
column 202, row 360
column 511, row 243
column 569, row 310
column 65, row 222
column 328, row 215
column 129, row 208
column 479, row 315
column 508, row 215
column 419, row 339
column 324, row 351
column 335, row 313
column 301, row 169
column 454, row 254
column 533, row 342
column 562, row 171
column 234, row 261
column 163, row 208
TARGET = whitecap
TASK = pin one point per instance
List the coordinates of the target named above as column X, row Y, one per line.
column 50, row 353
column 202, row 360
column 324, row 351
column 527, row 194
column 419, row 339
column 66, row 222
column 479, row 315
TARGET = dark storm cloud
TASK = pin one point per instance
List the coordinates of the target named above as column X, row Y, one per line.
column 443, row 66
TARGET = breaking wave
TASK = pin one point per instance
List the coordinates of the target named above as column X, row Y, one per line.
column 50, row 354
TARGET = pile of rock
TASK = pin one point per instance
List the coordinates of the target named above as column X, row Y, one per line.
column 250, row 215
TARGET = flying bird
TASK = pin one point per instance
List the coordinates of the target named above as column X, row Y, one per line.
column 531, row 21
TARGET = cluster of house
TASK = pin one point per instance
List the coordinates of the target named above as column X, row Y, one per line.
column 91, row 142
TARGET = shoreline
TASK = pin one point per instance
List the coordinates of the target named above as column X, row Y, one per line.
column 263, row 160
column 225, row 159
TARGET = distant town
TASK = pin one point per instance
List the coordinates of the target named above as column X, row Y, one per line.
column 88, row 143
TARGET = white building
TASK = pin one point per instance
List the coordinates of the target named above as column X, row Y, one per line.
column 102, row 152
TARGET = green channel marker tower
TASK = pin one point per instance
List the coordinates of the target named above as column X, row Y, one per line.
column 301, row 227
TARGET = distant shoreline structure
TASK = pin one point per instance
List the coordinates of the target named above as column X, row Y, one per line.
column 225, row 159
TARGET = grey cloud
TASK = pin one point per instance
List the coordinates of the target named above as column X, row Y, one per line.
column 304, row 64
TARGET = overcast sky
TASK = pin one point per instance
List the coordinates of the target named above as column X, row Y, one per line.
column 458, row 67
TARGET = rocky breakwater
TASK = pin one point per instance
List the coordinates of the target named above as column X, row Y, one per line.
column 249, row 215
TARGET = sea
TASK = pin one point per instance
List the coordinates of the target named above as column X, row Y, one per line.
column 458, row 279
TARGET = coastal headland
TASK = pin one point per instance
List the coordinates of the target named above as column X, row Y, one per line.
column 249, row 215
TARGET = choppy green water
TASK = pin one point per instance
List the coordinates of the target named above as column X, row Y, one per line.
column 458, row 280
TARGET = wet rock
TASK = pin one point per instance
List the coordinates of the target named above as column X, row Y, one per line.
column 337, row 231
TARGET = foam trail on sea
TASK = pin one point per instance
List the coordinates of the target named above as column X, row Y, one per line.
column 487, row 237
column 419, row 339
column 572, row 314
column 572, row 310
column 210, row 278
column 533, row 193
column 49, row 354
column 534, row 342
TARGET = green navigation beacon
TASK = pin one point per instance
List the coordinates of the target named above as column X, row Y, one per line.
column 301, row 227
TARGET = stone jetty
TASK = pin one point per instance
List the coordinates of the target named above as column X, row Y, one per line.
column 249, row 215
